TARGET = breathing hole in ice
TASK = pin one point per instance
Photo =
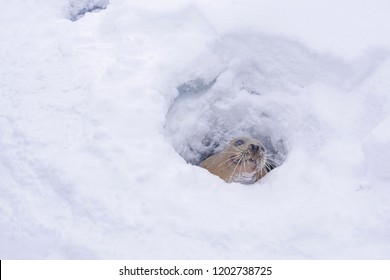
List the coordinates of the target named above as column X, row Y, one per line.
column 245, row 85
column 205, row 117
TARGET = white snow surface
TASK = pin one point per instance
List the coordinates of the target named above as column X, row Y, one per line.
column 102, row 117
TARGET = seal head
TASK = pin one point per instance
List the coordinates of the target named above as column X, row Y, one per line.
column 243, row 161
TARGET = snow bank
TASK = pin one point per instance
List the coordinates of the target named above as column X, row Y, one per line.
column 100, row 116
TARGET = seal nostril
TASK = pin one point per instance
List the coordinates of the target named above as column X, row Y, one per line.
column 254, row 148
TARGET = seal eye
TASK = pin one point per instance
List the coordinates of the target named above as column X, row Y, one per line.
column 238, row 142
column 262, row 149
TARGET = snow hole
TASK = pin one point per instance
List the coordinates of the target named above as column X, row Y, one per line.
column 201, row 122
column 245, row 85
column 204, row 118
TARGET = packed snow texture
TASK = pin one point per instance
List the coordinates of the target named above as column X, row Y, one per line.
column 103, row 122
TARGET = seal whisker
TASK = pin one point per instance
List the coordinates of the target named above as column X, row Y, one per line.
column 236, row 167
column 243, row 165
column 267, row 155
column 234, row 161
column 267, row 166
column 231, row 175
column 228, row 153
column 232, row 158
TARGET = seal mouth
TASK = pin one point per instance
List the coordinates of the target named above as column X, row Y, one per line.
column 254, row 159
column 257, row 162
column 244, row 157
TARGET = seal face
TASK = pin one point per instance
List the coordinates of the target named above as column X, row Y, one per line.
column 243, row 161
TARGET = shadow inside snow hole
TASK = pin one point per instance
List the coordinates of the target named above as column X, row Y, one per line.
column 205, row 117
column 78, row 8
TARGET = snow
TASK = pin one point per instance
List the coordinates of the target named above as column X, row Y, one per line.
column 103, row 120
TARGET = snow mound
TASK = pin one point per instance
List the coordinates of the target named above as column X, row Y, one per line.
column 250, row 89
column 78, row 8
column 95, row 113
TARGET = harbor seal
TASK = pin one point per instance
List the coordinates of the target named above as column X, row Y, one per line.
column 244, row 160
